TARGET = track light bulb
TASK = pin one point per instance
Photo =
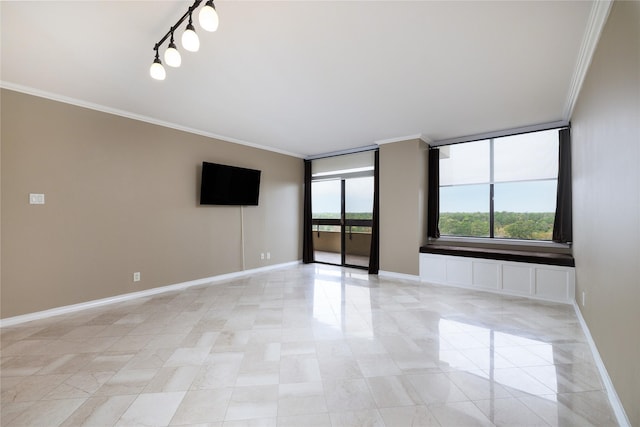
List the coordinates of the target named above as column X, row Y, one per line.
column 190, row 40
column 172, row 56
column 157, row 70
column 209, row 17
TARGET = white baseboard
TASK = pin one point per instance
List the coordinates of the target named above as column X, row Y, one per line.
column 11, row 321
column 394, row 275
column 616, row 405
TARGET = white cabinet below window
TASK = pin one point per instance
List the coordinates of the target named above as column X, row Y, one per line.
column 541, row 281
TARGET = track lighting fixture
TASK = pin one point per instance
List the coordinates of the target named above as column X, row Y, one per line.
column 190, row 40
column 208, row 19
column 171, row 55
column 157, row 70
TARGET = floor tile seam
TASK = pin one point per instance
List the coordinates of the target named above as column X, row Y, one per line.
column 412, row 392
column 136, row 398
column 441, row 422
column 27, row 377
column 557, row 402
column 324, row 398
column 516, row 392
column 572, row 380
column 466, row 393
column 91, row 394
column 107, row 398
column 551, row 391
column 540, row 419
column 30, row 404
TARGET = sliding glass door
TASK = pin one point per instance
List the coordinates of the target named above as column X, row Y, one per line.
column 326, row 208
column 358, row 214
column 342, row 212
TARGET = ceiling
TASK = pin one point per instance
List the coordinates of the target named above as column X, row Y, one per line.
column 307, row 77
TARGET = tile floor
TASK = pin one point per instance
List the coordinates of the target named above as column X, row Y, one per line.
column 310, row 345
column 336, row 259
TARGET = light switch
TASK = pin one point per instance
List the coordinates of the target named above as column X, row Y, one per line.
column 36, row 199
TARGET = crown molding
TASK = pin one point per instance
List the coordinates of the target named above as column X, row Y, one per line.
column 597, row 19
column 127, row 114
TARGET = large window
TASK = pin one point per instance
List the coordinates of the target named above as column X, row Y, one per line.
column 503, row 187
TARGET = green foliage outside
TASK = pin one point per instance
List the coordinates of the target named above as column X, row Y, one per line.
column 508, row 225
column 349, row 215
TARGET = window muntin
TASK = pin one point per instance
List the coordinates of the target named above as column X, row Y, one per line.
column 514, row 195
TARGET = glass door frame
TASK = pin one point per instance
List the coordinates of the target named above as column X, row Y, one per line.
column 343, row 222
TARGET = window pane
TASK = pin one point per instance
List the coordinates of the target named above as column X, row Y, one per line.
column 325, row 199
column 358, row 198
column 464, row 210
column 525, row 210
column 466, row 163
column 526, row 157
column 327, row 228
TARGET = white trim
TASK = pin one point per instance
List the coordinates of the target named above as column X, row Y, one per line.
column 402, row 276
column 342, row 152
column 426, row 139
column 242, row 235
column 401, row 138
column 11, row 321
column 597, row 19
column 122, row 113
column 616, row 405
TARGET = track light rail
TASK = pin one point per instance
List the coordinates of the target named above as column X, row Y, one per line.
column 193, row 7
column 208, row 18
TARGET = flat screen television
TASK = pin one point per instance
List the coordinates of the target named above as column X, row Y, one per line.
column 229, row 185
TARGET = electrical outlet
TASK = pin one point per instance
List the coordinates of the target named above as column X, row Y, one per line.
column 268, row 255
column 36, row 199
column 136, row 276
column 262, row 255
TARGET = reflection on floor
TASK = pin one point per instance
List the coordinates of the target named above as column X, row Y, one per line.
column 305, row 345
column 336, row 258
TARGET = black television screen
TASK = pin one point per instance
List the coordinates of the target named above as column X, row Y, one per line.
column 229, row 185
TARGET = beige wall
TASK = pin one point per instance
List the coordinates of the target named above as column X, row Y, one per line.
column 403, row 198
column 606, row 201
column 122, row 196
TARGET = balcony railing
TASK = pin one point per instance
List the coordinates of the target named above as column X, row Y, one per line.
column 327, row 240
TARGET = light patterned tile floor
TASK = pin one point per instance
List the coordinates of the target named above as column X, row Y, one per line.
column 310, row 345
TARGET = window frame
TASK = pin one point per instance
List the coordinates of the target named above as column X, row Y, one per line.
column 491, row 240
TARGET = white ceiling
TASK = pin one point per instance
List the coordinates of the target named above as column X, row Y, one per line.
column 307, row 77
